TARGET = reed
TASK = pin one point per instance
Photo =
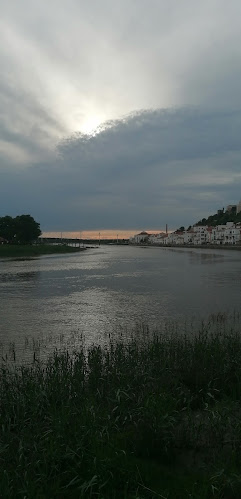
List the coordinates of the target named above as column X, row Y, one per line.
column 154, row 416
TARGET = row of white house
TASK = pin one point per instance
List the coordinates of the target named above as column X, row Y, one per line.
column 197, row 235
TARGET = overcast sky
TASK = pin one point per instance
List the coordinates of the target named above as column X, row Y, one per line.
column 119, row 114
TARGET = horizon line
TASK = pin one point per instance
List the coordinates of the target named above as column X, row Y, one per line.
column 98, row 233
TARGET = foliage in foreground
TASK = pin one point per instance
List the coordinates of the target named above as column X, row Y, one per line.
column 156, row 417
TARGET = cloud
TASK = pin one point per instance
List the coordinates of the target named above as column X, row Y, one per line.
column 151, row 168
column 69, row 64
column 71, row 61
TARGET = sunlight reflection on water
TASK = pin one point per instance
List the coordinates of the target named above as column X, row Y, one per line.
column 56, row 300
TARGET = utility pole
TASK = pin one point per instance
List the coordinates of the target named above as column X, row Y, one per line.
column 99, row 238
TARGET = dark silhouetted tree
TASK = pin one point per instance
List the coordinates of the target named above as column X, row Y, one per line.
column 20, row 230
column 27, row 230
column 7, row 228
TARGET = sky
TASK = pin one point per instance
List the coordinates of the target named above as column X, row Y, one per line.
column 119, row 115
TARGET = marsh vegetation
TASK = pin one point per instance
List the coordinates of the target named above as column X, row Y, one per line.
column 156, row 416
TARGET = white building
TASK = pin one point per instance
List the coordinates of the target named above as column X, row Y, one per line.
column 198, row 235
column 202, row 234
column 188, row 236
column 157, row 239
column 218, row 234
column 175, row 238
column 143, row 237
column 232, row 234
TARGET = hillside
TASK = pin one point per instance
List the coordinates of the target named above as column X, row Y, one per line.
column 220, row 218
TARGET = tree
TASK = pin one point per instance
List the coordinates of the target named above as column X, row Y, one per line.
column 27, row 230
column 7, row 228
column 20, row 230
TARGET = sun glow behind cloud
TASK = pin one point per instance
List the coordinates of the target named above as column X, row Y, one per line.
column 91, row 123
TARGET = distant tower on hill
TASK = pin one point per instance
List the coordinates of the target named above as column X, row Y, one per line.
column 231, row 208
column 239, row 207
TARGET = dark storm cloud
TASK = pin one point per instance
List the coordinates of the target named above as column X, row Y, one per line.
column 149, row 169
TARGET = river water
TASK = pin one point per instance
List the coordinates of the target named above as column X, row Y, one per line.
column 56, row 300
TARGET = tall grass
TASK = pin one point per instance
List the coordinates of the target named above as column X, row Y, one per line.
column 152, row 417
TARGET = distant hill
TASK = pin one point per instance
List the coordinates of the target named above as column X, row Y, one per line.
column 221, row 218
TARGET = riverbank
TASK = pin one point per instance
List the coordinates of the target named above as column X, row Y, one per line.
column 155, row 417
column 191, row 246
column 206, row 246
column 10, row 250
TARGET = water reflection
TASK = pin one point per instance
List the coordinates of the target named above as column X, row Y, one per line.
column 203, row 257
column 21, row 276
column 96, row 293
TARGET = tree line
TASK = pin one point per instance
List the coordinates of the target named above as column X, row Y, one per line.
column 22, row 229
column 221, row 218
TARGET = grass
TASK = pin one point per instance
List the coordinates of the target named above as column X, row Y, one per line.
column 155, row 417
column 10, row 250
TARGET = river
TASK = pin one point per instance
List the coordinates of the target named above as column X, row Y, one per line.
column 53, row 301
